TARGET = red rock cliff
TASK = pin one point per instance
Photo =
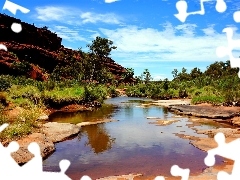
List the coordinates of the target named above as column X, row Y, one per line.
column 39, row 47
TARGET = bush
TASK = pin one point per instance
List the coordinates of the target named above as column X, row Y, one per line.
column 3, row 99
column 24, row 125
column 112, row 91
column 22, row 67
column 4, row 83
column 213, row 99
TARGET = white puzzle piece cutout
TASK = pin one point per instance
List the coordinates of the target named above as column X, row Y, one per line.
column 12, row 7
column 177, row 171
column 33, row 169
column 228, row 150
column 222, row 51
column 236, row 16
column 182, row 7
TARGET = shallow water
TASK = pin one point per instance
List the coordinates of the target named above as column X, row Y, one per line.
column 131, row 145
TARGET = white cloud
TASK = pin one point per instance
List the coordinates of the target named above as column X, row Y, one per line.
column 109, row 18
column 110, row 1
column 51, row 13
column 68, row 34
column 157, row 77
column 151, row 45
column 187, row 29
column 74, row 16
column 209, row 31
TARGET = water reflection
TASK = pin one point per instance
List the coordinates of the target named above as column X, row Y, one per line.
column 131, row 145
column 104, row 112
column 165, row 111
column 98, row 138
column 145, row 112
column 128, row 110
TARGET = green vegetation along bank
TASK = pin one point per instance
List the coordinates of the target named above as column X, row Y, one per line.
column 219, row 85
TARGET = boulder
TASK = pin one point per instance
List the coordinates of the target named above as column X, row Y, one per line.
column 23, row 155
column 57, row 132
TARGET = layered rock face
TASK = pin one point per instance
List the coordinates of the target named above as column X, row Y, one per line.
column 39, row 47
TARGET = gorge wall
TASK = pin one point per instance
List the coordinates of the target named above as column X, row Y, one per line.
column 39, row 47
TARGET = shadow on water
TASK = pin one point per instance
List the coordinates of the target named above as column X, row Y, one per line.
column 98, row 138
column 131, row 145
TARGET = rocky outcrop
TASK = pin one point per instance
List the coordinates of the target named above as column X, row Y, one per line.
column 95, row 122
column 39, row 37
column 57, row 132
column 204, row 111
column 170, row 103
column 23, row 155
column 39, row 47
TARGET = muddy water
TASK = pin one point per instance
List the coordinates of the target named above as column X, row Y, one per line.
column 134, row 144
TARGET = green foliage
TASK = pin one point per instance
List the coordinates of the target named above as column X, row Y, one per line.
column 93, row 92
column 4, row 83
column 213, row 99
column 89, row 69
column 129, row 73
column 3, row 118
column 25, row 124
column 146, row 76
column 195, row 73
column 101, row 47
column 219, row 84
column 112, row 91
column 13, row 54
column 22, row 67
column 93, row 63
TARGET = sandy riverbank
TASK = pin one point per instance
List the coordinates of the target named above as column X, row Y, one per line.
column 55, row 132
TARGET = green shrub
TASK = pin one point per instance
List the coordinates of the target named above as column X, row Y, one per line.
column 22, row 67
column 213, row 99
column 4, row 83
column 112, row 91
column 24, row 125
column 3, row 99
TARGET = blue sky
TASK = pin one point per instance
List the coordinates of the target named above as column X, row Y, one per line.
column 146, row 32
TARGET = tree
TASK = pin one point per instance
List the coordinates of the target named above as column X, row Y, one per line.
column 165, row 84
column 184, row 76
column 215, row 70
column 99, row 50
column 128, row 74
column 175, row 73
column 146, row 76
column 101, row 47
column 195, row 73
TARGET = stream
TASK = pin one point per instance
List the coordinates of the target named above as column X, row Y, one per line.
column 133, row 144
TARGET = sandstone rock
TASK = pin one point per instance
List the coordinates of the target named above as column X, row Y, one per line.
column 228, row 132
column 42, row 48
column 23, row 155
column 163, row 122
column 204, row 111
column 96, row 122
column 169, row 103
column 43, row 117
column 57, row 132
